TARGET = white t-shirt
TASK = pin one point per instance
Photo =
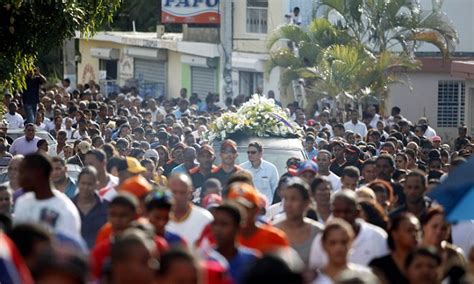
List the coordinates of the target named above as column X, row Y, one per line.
column 14, row 121
column 322, row 278
column 109, row 192
column 371, row 242
column 57, row 213
column 335, row 181
column 191, row 228
column 274, row 210
column 463, row 235
column 359, row 128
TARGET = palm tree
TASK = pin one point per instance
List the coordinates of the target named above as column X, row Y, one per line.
column 352, row 49
column 382, row 25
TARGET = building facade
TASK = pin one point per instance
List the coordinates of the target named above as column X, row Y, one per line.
column 197, row 59
column 162, row 64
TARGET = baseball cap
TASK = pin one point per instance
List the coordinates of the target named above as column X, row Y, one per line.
column 304, row 167
column 311, row 122
column 244, row 194
column 352, row 149
column 310, row 138
column 132, row 165
column 151, row 154
column 436, row 139
column 160, row 197
column 163, row 135
column 136, row 185
column 212, row 200
column 336, row 142
column 308, row 166
column 206, row 148
column 84, row 147
column 229, row 143
column 179, row 145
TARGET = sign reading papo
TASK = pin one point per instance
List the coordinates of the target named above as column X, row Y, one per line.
column 190, row 11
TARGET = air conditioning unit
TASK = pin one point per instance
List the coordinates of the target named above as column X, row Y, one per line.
column 160, row 31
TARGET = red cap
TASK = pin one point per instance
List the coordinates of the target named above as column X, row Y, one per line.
column 136, row 185
column 211, row 200
column 230, row 144
column 206, row 148
column 244, row 194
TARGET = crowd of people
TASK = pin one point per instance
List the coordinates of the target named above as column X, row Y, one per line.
column 130, row 192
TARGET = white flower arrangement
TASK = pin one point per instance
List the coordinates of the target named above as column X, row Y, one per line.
column 259, row 116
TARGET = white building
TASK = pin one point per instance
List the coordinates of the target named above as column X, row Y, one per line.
column 439, row 89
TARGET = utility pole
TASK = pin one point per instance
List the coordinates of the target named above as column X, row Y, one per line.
column 226, row 7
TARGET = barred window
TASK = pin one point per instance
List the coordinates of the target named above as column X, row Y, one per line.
column 451, row 103
column 257, row 14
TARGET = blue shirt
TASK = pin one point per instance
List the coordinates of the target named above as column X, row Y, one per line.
column 70, row 189
column 93, row 220
column 312, row 154
column 173, row 239
column 239, row 264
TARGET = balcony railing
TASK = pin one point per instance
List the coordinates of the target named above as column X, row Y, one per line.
column 257, row 20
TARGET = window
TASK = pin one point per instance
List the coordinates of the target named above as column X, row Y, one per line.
column 257, row 11
column 110, row 67
column 249, row 82
column 451, row 103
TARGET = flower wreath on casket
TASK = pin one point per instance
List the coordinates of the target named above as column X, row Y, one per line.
column 258, row 117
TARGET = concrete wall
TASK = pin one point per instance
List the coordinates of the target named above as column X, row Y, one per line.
column 249, row 42
column 88, row 68
column 174, row 74
column 422, row 100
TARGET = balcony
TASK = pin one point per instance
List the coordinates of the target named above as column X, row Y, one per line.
column 257, row 20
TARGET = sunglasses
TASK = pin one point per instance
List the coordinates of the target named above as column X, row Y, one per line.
column 251, row 152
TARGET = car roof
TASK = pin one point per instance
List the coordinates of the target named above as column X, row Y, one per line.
column 267, row 142
column 20, row 130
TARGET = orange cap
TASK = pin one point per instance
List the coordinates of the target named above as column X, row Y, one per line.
column 245, row 194
column 136, row 185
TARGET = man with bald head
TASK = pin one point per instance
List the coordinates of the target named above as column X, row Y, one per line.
column 187, row 219
column 369, row 241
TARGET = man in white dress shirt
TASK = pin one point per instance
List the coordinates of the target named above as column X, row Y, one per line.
column 27, row 143
column 355, row 125
column 429, row 132
column 265, row 174
column 14, row 119
column 372, row 111
column 370, row 241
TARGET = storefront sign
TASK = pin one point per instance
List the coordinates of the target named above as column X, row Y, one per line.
column 190, row 11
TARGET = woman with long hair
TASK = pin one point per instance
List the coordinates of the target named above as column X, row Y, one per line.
column 437, row 233
column 164, row 155
column 403, row 236
column 299, row 229
column 383, row 192
column 336, row 240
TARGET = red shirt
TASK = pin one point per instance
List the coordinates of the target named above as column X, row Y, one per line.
column 101, row 252
column 266, row 239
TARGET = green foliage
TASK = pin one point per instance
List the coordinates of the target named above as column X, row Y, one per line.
column 382, row 24
column 353, row 52
column 30, row 27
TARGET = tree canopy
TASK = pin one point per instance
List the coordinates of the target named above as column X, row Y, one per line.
column 358, row 45
column 28, row 27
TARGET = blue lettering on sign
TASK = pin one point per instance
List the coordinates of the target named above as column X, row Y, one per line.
column 194, row 3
